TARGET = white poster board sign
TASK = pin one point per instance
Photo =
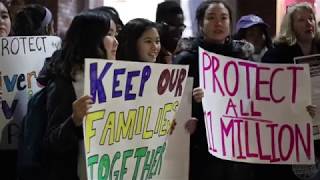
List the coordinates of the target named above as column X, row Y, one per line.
column 21, row 59
column 127, row 128
column 176, row 160
column 256, row 112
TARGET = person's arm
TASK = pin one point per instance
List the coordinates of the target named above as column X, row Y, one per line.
column 187, row 58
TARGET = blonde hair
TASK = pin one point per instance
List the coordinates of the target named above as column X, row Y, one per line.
column 287, row 35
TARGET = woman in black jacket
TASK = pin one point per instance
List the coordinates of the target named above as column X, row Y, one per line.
column 214, row 24
column 299, row 36
column 91, row 35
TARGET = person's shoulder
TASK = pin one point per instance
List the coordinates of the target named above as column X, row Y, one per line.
column 243, row 49
column 183, row 57
column 280, row 53
column 47, row 72
column 185, row 44
column 282, row 46
column 188, row 54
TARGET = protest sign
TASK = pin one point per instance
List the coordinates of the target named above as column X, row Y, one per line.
column 256, row 112
column 127, row 127
column 21, row 60
column 314, row 62
column 176, row 160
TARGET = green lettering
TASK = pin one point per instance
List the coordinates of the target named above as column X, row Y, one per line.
column 92, row 160
column 159, row 164
column 140, row 153
column 104, row 167
column 154, row 162
column 125, row 156
column 147, row 165
column 115, row 158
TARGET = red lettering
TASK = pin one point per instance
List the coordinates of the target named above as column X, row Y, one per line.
column 294, row 82
column 248, row 65
column 271, row 86
column 261, row 82
column 236, row 75
column 290, row 140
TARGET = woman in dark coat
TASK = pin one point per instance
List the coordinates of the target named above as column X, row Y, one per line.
column 214, row 24
column 91, row 35
column 299, row 36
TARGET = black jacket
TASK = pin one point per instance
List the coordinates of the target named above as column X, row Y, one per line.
column 62, row 136
column 283, row 53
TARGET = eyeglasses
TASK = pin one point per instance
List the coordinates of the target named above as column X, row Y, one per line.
column 181, row 27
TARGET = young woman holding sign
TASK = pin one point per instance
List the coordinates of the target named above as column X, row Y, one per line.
column 299, row 36
column 91, row 35
column 5, row 21
column 214, row 25
column 139, row 41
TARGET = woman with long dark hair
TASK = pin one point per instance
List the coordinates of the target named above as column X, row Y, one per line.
column 139, row 40
column 91, row 35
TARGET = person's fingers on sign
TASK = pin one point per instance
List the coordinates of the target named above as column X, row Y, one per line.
column 197, row 94
column 80, row 109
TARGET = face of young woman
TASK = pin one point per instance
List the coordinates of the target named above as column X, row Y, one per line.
column 216, row 23
column 304, row 25
column 110, row 42
column 148, row 45
column 5, row 23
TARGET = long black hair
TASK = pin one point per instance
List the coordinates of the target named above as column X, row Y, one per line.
column 128, row 38
column 113, row 13
column 5, row 3
column 84, row 39
column 33, row 20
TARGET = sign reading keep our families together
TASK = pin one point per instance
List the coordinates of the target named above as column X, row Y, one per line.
column 127, row 127
column 256, row 112
column 21, row 59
